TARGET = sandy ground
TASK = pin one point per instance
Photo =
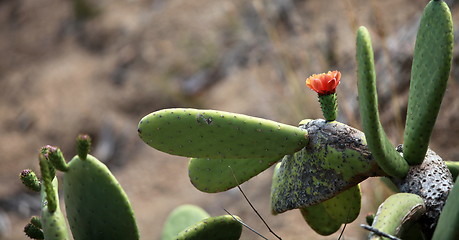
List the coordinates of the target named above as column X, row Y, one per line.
column 64, row 72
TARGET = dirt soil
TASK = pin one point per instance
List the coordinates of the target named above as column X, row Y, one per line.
column 98, row 67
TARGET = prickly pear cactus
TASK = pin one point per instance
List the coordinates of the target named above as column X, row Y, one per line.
column 181, row 218
column 336, row 158
column 381, row 148
column 226, row 227
column 429, row 75
column 396, row 214
column 96, row 205
column 219, row 135
column 218, row 175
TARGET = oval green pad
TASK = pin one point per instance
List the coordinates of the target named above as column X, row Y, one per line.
column 218, row 175
column 449, row 218
column 216, row 228
column 216, row 134
column 397, row 213
column 336, row 159
column 383, row 151
column 96, row 205
column 53, row 224
column 429, row 76
column 181, row 218
column 326, row 217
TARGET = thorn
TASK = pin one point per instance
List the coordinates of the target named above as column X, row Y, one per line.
column 245, row 225
column 379, row 233
column 247, row 199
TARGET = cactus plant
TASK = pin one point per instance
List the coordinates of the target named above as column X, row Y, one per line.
column 319, row 167
column 96, row 205
column 324, row 160
column 181, row 218
column 190, row 222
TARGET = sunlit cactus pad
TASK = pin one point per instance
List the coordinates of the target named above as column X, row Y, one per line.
column 181, row 218
column 96, row 205
column 224, row 227
column 217, row 134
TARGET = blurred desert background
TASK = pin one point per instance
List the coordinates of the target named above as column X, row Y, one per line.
column 97, row 67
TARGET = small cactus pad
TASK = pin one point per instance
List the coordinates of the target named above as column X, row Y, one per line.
column 216, row 228
column 449, row 218
column 97, row 207
column 218, row 175
column 55, row 156
column 53, row 222
column 397, row 213
column 336, row 159
column 83, row 145
column 30, row 180
column 429, row 76
column 326, row 217
column 216, row 134
column 381, row 148
column 181, row 218
column 33, row 232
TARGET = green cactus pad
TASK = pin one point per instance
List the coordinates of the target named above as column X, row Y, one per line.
column 217, row 175
column 53, row 222
column 326, row 217
column 30, row 180
column 449, row 218
column 336, row 159
column 97, row 207
column 397, row 213
column 383, row 151
column 319, row 220
column 181, row 218
column 453, row 167
column 429, row 76
column 216, row 134
column 216, row 228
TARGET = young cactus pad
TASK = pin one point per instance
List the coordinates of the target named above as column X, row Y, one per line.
column 216, row 134
column 397, row 213
column 429, row 76
column 181, row 218
column 218, row 175
column 96, row 205
column 337, row 158
column 328, row 216
column 224, row 227
column 381, row 148
column 53, row 222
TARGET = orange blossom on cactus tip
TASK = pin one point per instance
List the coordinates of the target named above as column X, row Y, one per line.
column 324, row 83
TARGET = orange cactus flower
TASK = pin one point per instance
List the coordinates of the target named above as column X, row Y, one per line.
column 324, row 83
